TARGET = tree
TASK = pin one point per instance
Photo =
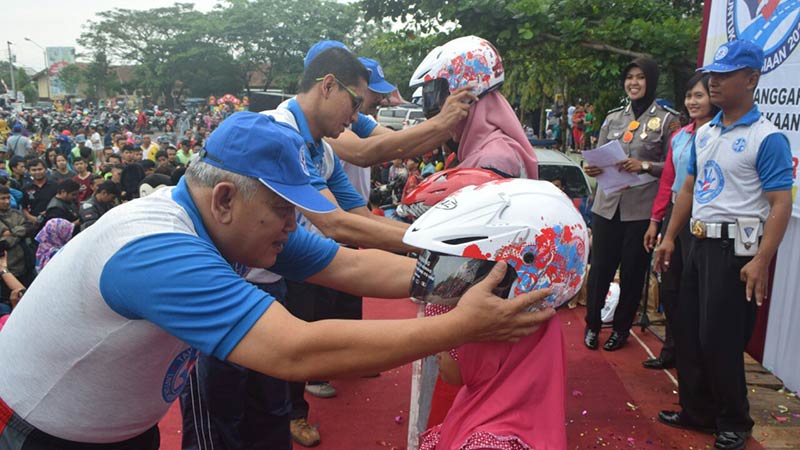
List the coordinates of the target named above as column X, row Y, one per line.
column 272, row 36
column 99, row 79
column 399, row 52
column 21, row 79
column 152, row 38
column 573, row 47
column 71, row 75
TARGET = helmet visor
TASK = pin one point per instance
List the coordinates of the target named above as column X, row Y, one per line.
column 442, row 279
column 434, row 93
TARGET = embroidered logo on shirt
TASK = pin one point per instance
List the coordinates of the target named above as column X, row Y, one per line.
column 710, row 183
column 702, row 141
column 302, row 152
column 739, row 145
column 178, row 374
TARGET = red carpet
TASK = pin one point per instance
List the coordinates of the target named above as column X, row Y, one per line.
column 612, row 402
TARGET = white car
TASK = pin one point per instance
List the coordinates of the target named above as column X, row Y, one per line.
column 397, row 117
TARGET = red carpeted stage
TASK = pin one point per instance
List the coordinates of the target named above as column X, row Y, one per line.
column 612, row 402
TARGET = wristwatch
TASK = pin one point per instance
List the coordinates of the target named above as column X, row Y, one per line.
column 646, row 166
column 3, row 272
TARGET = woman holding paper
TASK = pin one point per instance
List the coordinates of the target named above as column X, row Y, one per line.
column 620, row 219
column 701, row 111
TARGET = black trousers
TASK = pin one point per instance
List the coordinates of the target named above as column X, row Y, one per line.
column 616, row 243
column 669, row 289
column 16, row 433
column 229, row 407
column 311, row 302
column 716, row 322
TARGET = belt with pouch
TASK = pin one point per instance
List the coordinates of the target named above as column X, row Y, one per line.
column 708, row 230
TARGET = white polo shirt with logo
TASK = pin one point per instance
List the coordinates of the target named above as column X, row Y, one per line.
column 735, row 166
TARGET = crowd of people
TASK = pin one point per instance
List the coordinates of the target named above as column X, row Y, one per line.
column 75, row 179
column 235, row 253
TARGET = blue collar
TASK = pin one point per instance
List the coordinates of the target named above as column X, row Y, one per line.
column 181, row 196
column 748, row 119
column 302, row 125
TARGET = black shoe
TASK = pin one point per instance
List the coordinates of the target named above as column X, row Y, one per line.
column 677, row 420
column 731, row 440
column 658, row 363
column 615, row 342
column 590, row 340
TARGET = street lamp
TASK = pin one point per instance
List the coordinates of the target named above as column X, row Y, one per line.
column 46, row 66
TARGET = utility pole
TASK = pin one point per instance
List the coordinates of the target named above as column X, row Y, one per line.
column 46, row 65
column 11, row 66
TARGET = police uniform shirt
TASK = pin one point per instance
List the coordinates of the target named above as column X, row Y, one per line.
column 734, row 166
column 645, row 138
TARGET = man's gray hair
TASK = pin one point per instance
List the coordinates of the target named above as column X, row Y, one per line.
column 204, row 174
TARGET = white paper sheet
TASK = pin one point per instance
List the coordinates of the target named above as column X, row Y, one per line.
column 606, row 157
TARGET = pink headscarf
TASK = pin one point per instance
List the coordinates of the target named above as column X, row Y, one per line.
column 493, row 139
column 512, row 391
column 54, row 235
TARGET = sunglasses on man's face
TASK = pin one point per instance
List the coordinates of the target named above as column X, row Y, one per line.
column 355, row 99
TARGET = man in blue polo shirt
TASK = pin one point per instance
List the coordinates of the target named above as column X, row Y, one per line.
column 738, row 193
column 96, row 361
column 332, row 90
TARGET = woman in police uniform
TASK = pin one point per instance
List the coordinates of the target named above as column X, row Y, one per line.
column 620, row 220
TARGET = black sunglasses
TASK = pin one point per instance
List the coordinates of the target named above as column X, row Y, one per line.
column 355, row 99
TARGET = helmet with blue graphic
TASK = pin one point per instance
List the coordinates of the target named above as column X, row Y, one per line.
column 468, row 60
column 529, row 224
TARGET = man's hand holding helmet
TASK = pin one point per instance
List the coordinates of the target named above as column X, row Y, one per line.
column 487, row 317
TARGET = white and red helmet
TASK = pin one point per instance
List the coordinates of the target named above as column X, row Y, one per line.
column 462, row 61
column 529, row 224
column 439, row 185
column 465, row 60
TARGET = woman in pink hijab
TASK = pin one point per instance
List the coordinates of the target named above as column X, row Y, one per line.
column 491, row 137
column 513, row 396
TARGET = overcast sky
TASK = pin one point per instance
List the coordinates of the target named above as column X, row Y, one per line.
column 58, row 23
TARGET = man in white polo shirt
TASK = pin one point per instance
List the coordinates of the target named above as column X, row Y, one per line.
column 738, row 193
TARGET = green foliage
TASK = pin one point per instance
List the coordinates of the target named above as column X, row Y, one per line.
column 572, row 47
column 71, row 76
column 21, row 79
column 272, row 36
column 398, row 52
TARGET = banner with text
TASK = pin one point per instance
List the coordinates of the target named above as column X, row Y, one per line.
column 775, row 26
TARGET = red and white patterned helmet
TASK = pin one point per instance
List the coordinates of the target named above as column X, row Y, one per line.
column 529, row 224
column 439, row 185
column 462, row 61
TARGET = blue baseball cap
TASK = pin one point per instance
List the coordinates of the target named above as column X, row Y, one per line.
column 320, row 47
column 377, row 82
column 735, row 55
column 256, row 146
column 16, row 127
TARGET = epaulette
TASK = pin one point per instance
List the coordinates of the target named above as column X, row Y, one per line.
column 672, row 110
column 616, row 109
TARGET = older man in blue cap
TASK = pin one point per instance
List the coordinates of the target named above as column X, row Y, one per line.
column 98, row 364
column 738, row 195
